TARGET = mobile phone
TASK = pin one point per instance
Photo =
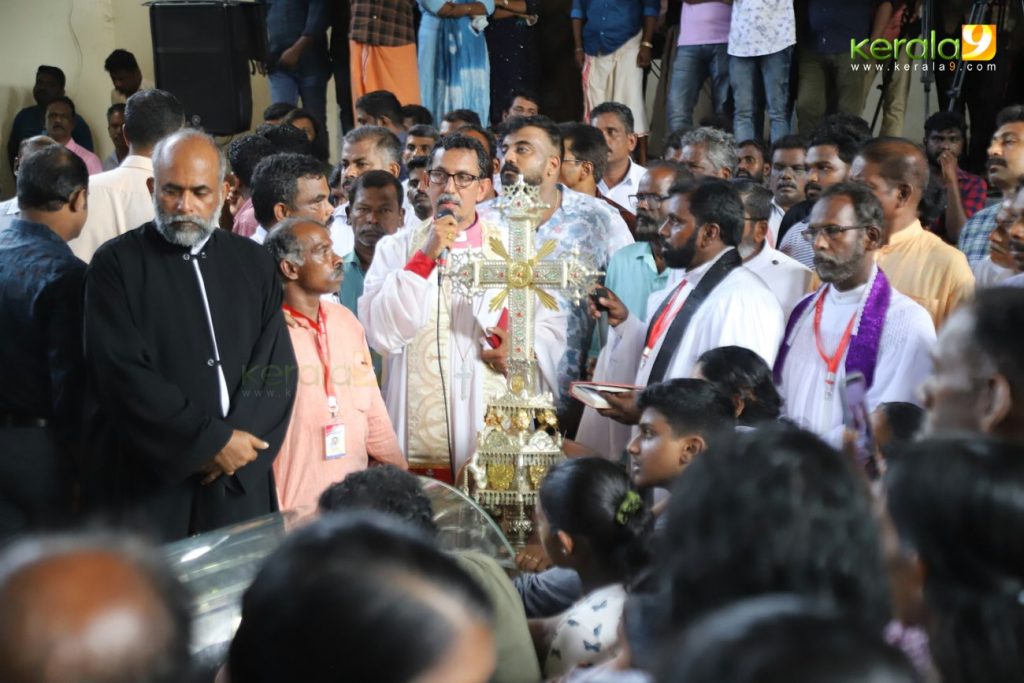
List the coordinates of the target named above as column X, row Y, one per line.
column 596, row 295
column 857, row 419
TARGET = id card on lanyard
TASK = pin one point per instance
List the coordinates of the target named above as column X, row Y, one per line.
column 334, row 429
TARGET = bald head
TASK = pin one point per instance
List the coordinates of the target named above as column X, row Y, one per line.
column 178, row 147
column 89, row 610
column 896, row 170
column 30, row 145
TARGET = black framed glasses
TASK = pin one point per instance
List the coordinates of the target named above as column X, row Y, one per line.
column 832, row 232
column 462, row 180
column 653, row 200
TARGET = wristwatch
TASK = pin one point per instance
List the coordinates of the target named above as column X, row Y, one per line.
column 647, row 43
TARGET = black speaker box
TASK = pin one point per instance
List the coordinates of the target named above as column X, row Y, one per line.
column 202, row 53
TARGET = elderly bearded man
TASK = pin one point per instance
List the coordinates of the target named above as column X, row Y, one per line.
column 186, row 347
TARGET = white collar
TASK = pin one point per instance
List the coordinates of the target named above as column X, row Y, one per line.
column 199, row 247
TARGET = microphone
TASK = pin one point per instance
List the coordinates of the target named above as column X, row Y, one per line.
column 443, row 258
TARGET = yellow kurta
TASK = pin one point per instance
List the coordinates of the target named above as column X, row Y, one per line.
column 932, row 273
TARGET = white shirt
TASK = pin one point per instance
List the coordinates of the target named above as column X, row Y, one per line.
column 119, row 201
column 396, row 304
column 788, row 279
column 629, row 185
column 774, row 222
column 740, row 311
column 343, row 239
column 796, row 247
column 988, row 274
column 903, row 361
column 761, row 27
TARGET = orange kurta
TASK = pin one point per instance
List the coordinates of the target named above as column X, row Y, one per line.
column 301, row 470
column 932, row 273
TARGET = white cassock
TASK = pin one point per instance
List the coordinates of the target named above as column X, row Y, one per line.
column 740, row 311
column 903, row 361
column 399, row 309
column 788, row 279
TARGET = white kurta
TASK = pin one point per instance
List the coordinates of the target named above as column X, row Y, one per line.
column 740, row 311
column 396, row 304
column 903, row 361
column 788, row 279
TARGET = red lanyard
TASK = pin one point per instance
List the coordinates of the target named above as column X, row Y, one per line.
column 662, row 323
column 832, row 363
column 323, row 352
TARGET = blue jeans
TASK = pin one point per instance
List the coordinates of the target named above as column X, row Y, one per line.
column 773, row 71
column 693, row 65
column 288, row 86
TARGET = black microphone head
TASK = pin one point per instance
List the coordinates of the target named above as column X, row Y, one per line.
column 444, row 213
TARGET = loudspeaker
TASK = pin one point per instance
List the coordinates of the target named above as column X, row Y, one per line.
column 202, row 52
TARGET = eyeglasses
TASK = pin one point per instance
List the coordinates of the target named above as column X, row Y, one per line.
column 462, row 180
column 832, row 232
column 653, row 200
column 574, row 161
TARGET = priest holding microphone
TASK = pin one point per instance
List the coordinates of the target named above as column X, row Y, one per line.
column 446, row 353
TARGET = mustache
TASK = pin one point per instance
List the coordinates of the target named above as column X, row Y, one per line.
column 447, row 198
column 812, row 187
column 996, row 161
column 744, row 173
column 509, row 167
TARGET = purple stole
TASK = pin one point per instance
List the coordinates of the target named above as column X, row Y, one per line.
column 867, row 330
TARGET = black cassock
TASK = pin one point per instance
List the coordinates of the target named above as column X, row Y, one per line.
column 154, row 415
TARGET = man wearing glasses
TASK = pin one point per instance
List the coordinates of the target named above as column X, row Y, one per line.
column 855, row 322
column 445, row 352
column 583, row 166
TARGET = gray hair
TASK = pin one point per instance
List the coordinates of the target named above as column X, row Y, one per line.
column 190, row 134
column 719, row 145
column 383, row 141
column 282, row 243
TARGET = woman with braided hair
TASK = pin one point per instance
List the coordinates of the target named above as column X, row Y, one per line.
column 591, row 520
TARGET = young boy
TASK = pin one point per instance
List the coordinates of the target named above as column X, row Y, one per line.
column 679, row 419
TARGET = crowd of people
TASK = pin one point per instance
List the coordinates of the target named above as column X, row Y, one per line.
column 803, row 463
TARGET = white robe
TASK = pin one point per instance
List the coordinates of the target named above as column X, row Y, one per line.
column 788, row 279
column 740, row 311
column 903, row 361
column 396, row 304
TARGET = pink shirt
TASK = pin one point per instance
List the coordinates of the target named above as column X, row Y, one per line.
column 92, row 162
column 245, row 222
column 705, row 24
column 301, row 470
